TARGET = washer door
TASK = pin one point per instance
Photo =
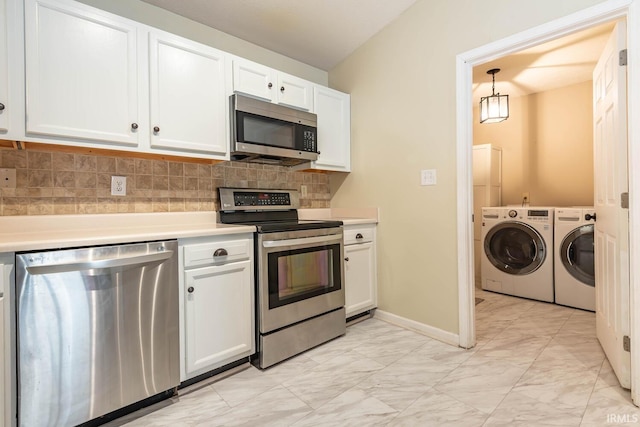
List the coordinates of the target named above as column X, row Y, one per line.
column 515, row 248
column 576, row 254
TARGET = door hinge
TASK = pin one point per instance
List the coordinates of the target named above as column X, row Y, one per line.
column 626, row 343
column 622, row 56
column 624, row 200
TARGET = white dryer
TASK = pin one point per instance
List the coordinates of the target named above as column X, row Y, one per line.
column 574, row 258
column 517, row 256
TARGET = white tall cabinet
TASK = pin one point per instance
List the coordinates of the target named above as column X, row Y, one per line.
column 487, row 191
column 334, row 129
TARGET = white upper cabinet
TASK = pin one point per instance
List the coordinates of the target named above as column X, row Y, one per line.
column 333, row 109
column 81, row 73
column 188, row 95
column 294, row 92
column 271, row 85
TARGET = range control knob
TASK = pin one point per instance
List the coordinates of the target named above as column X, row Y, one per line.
column 513, row 213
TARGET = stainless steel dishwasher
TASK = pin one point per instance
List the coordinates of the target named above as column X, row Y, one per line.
column 97, row 330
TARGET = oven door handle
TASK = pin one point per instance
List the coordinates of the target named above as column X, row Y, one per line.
column 301, row 241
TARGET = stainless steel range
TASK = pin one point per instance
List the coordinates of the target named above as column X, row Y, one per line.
column 299, row 272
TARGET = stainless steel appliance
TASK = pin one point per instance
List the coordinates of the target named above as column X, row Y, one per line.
column 263, row 132
column 299, row 272
column 97, row 330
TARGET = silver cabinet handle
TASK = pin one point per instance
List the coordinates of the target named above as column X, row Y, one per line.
column 220, row 252
column 102, row 263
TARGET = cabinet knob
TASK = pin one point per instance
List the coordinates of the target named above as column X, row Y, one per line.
column 220, row 252
column 281, row 88
column 270, row 85
column 346, row 259
column 134, row 126
column 190, row 289
column 156, row 129
column 1, row 106
column 359, row 236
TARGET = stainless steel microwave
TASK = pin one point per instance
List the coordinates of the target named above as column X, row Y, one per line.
column 263, row 132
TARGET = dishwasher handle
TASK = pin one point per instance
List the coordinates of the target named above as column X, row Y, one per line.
column 99, row 264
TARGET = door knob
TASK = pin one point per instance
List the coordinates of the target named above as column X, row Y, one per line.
column 588, row 217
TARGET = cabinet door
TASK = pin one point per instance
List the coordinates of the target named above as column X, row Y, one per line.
column 253, row 79
column 360, row 285
column 219, row 315
column 188, row 96
column 81, row 72
column 334, row 129
column 4, row 70
column 294, row 92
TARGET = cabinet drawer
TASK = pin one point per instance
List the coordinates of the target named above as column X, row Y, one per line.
column 197, row 255
column 358, row 235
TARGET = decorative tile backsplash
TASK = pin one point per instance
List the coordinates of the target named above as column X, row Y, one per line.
column 52, row 183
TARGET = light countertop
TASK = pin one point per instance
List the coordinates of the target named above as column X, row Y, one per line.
column 35, row 232
column 24, row 233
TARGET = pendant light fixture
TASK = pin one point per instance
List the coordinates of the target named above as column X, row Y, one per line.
column 495, row 107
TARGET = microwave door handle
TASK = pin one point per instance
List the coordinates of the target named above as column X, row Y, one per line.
column 99, row 264
column 301, row 241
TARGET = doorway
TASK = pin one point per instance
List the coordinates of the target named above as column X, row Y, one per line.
column 607, row 11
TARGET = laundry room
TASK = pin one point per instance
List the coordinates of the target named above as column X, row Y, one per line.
column 535, row 169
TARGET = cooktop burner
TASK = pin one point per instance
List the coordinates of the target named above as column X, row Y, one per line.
column 269, row 210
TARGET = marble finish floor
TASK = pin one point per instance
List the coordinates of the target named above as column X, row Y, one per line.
column 535, row 364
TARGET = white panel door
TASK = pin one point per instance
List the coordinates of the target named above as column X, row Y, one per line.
column 333, row 109
column 612, row 225
column 81, row 73
column 294, row 92
column 188, row 95
column 4, row 70
column 219, row 315
column 253, row 79
column 359, row 286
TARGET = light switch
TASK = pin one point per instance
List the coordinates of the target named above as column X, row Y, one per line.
column 428, row 177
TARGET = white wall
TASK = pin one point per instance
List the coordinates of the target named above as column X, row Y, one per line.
column 403, row 88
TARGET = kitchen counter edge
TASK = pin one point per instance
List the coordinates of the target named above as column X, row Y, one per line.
column 43, row 232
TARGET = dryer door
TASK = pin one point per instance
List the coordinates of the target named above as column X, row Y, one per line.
column 515, row 248
column 576, row 254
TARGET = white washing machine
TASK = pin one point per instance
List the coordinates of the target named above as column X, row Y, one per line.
column 517, row 256
column 574, row 258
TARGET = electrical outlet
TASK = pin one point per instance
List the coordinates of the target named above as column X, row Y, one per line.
column 118, row 185
column 303, row 190
column 428, row 177
column 7, row 178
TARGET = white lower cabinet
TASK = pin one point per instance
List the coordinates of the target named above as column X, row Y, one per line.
column 360, row 269
column 218, row 300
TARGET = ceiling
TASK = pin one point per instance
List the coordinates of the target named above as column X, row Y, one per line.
column 320, row 33
column 562, row 62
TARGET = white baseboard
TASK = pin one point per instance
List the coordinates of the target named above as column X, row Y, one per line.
column 430, row 331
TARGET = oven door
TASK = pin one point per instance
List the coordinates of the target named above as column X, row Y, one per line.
column 300, row 275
